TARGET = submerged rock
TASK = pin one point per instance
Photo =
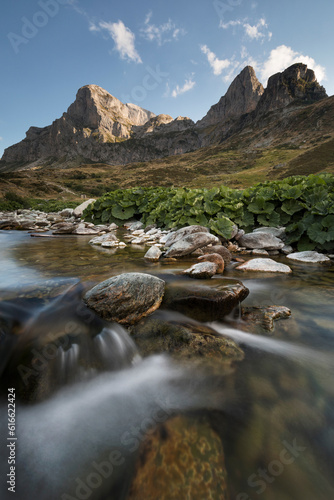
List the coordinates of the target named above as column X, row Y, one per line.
column 203, row 270
column 311, row 257
column 264, row 265
column 182, row 458
column 126, row 298
column 204, row 303
column 189, row 243
column 264, row 316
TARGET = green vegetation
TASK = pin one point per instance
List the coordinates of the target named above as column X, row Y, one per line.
column 305, row 205
column 13, row 201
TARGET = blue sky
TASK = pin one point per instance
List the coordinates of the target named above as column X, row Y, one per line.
column 169, row 56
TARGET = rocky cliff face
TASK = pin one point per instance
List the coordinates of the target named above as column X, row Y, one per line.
column 98, row 127
column 297, row 84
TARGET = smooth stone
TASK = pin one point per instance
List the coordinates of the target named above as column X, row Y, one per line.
column 113, row 227
column 184, row 231
column 311, row 257
column 205, row 303
column 279, row 232
column 261, row 240
column 264, row 265
column 216, row 258
column 260, row 251
column 110, row 244
column 221, row 250
column 203, row 270
column 126, row 298
column 154, row 253
column 189, row 243
column 135, row 226
column 78, row 211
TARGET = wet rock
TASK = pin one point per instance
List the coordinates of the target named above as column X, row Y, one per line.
column 154, row 254
column 239, row 234
column 216, row 258
column 63, row 228
column 184, row 231
column 203, row 270
column 189, row 243
column 204, row 303
column 126, row 298
column 310, row 257
column 261, row 240
column 264, row 316
column 113, row 227
column 260, row 251
column 182, row 458
column 264, row 265
column 185, row 341
column 221, row 250
column 78, row 211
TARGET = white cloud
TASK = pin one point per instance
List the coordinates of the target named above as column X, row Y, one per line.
column 218, row 65
column 188, row 85
column 123, row 37
column 163, row 33
column 258, row 31
column 282, row 57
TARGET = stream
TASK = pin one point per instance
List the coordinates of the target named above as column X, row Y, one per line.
column 274, row 412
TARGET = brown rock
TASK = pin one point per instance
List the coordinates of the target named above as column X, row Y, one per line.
column 182, row 459
column 221, row 250
column 216, row 258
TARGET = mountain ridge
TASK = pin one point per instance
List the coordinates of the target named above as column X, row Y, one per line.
column 97, row 127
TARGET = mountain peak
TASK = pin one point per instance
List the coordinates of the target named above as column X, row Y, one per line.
column 241, row 97
column 296, row 84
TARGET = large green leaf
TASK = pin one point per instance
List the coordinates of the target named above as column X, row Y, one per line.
column 222, row 226
column 123, row 214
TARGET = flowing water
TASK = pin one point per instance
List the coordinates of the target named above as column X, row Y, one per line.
column 89, row 388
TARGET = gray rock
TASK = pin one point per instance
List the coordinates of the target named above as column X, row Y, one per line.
column 67, row 212
column 287, row 249
column 221, row 250
column 239, row 234
column 189, row 243
column 113, row 227
column 81, row 229
column 153, row 253
column 184, row 231
column 279, row 232
column 310, row 257
column 63, row 228
column 101, row 239
column 264, row 265
column 78, row 211
column 261, row 240
column 126, row 298
column 203, row 270
column 260, row 251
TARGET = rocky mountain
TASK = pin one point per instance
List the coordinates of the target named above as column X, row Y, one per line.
column 97, row 127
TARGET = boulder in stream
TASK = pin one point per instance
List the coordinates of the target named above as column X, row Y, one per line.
column 126, row 298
